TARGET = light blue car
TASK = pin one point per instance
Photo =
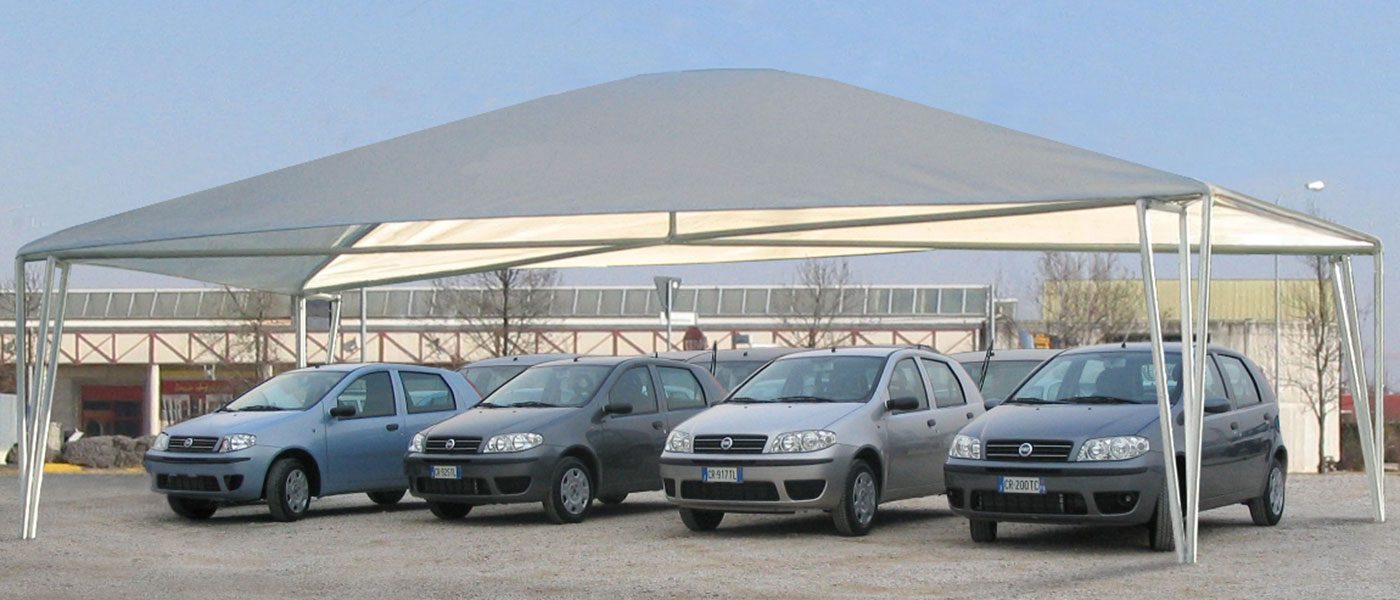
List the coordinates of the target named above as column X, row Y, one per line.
column 315, row 432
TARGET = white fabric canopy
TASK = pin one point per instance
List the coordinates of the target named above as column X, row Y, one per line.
column 673, row 168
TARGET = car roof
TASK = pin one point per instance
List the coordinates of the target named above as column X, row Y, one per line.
column 1012, row 354
column 877, row 351
column 347, row 367
column 744, row 354
column 1169, row 347
column 600, row 360
column 519, row 359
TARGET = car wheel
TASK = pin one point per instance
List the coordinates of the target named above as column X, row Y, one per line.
column 449, row 511
column 860, row 498
column 612, row 499
column 288, row 490
column 983, row 531
column 701, row 520
column 389, row 498
column 1267, row 510
column 571, row 492
column 1159, row 529
column 193, row 509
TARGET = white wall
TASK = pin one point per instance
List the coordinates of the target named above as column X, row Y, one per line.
column 8, row 434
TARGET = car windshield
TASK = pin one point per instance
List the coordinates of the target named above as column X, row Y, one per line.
column 730, row 374
column 298, row 390
column 1109, row 377
column 1002, row 376
column 813, row 379
column 489, row 379
column 550, row 386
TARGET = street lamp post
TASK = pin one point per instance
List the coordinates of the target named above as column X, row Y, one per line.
column 1312, row 186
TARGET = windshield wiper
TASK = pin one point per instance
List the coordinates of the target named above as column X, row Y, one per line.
column 1099, row 400
column 1029, row 401
column 742, row 400
column 259, row 408
column 488, row 405
column 803, row 399
column 534, row 404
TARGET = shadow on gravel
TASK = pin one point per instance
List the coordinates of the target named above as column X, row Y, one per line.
column 820, row 523
column 533, row 513
column 222, row 519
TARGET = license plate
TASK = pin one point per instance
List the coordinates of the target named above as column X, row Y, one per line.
column 1021, row 485
column 449, row 472
column 722, row 474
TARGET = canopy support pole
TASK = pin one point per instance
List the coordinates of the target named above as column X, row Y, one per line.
column 42, row 388
column 1355, row 377
column 22, row 395
column 1200, row 342
column 1378, row 348
column 1171, row 487
column 1185, row 384
column 333, row 344
column 299, row 310
column 364, row 328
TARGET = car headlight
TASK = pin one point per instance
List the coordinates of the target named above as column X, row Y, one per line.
column 238, row 441
column 679, row 441
column 161, row 443
column 416, row 444
column 1114, row 448
column 802, row 441
column 966, row 446
column 512, row 442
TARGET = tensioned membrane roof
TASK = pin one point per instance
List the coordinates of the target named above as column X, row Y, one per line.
column 672, row 168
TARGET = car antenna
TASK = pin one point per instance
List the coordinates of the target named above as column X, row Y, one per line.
column 1125, row 341
column 986, row 360
column 714, row 356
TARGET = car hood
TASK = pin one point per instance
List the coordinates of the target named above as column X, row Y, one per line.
column 217, row 424
column 486, row 422
column 1068, row 421
column 767, row 418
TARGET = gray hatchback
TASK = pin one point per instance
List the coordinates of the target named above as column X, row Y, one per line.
column 562, row 433
column 1079, row 442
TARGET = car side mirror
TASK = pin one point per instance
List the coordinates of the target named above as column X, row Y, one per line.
column 617, row 408
column 341, row 411
column 902, row 403
column 989, row 404
column 1216, row 406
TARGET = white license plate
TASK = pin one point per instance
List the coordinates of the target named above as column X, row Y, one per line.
column 449, row 472
column 1020, row 485
column 722, row 474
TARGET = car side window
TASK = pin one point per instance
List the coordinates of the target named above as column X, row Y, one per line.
column 634, row 387
column 426, row 392
column 1244, row 391
column 905, row 382
column 371, row 395
column 947, row 390
column 683, row 391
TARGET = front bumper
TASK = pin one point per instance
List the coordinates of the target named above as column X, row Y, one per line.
column 1073, row 492
column 485, row 478
column 772, row 483
column 226, row 477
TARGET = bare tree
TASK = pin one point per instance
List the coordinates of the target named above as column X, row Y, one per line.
column 813, row 306
column 32, row 285
column 1316, row 351
column 500, row 311
column 1087, row 298
column 257, row 315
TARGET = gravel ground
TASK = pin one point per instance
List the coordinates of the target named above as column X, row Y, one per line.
column 107, row 536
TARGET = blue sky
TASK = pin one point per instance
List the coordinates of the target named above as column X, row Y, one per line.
column 112, row 106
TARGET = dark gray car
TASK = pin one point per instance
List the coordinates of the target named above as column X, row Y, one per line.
column 1079, row 442
column 731, row 367
column 488, row 374
column 1005, row 369
column 561, row 433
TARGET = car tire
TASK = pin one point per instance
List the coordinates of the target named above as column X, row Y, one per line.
column 860, row 499
column 449, row 511
column 388, row 498
column 1159, row 529
column 1267, row 510
column 288, row 490
column 194, row 509
column 983, row 531
column 612, row 499
column 701, row 520
column 570, row 492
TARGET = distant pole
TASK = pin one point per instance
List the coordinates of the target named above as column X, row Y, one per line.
column 364, row 328
column 666, row 293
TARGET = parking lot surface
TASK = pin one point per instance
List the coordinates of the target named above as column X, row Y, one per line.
column 107, row 536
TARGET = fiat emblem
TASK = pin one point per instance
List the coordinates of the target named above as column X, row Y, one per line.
column 451, row 443
column 1025, row 450
column 726, row 443
column 189, row 442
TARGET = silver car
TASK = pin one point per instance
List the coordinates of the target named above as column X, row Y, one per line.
column 838, row 430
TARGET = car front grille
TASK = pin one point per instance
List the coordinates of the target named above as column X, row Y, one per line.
column 1054, row 503
column 451, row 487
column 738, row 444
column 461, row 445
column 748, row 491
column 183, row 443
column 188, row 483
column 1041, row 450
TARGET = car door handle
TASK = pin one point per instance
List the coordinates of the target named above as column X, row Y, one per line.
column 932, row 422
column 392, row 427
column 1235, row 426
column 658, row 425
